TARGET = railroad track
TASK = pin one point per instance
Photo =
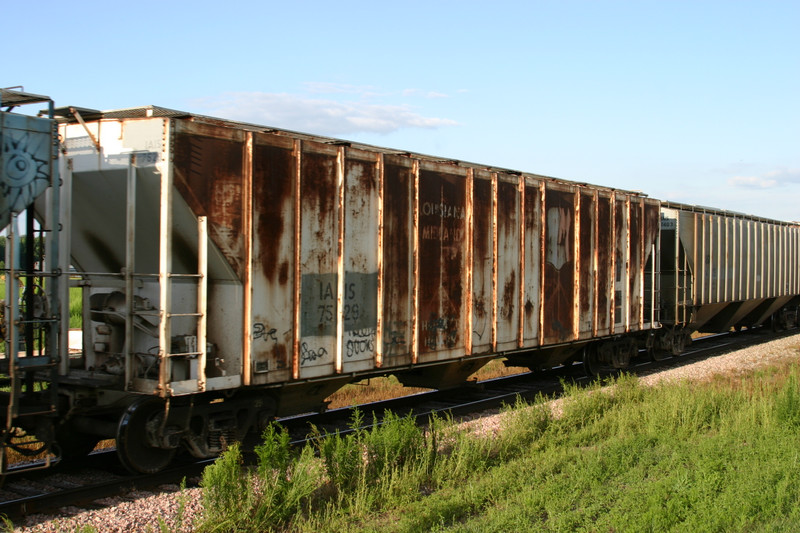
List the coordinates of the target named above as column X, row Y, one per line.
column 101, row 476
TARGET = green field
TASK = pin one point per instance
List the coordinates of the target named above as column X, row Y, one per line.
column 75, row 317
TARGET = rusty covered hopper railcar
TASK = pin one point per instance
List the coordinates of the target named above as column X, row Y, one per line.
column 328, row 260
column 231, row 273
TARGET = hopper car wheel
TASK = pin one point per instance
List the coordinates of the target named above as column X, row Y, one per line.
column 591, row 365
column 135, row 452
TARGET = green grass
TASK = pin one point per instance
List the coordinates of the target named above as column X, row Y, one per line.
column 75, row 308
column 75, row 304
column 385, row 387
column 721, row 456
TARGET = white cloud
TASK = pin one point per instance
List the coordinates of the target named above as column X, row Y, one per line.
column 752, row 182
column 320, row 116
column 425, row 94
column 767, row 180
column 324, row 87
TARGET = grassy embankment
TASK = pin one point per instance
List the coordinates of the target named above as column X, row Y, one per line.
column 718, row 456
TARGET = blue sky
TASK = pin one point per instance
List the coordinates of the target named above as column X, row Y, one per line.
column 690, row 101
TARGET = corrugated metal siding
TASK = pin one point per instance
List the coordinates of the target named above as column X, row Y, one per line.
column 320, row 249
column 735, row 258
column 362, row 243
column 209, row 171
column 605, row 264
column 508, row 262
column 443, row 267
column 559, row 265
column 532, row 293
column 483, row 239
column 364, row 260
column 587, row 265
column 398, row 261
column 275, row 166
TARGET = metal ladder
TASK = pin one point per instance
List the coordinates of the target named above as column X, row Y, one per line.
column 31, row 310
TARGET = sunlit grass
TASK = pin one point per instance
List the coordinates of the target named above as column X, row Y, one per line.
column 713, row 456
column 385, row 388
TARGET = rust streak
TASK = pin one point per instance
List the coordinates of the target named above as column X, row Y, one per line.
column 469, row 261
column 415, row 271
column 247, row 225
column 340, row 163
column 595, row 260
column 542, row 257
column 521, row 300
column 494, row 261
column 381, row 274
column 576, row 286
column 298, row 151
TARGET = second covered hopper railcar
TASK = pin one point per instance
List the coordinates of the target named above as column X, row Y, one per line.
column 723, row 270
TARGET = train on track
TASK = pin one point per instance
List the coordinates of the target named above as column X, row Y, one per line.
column 224, row 274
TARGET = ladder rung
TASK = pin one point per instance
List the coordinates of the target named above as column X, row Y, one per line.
column 34, row 410
column 33, row 363
column 37, row 321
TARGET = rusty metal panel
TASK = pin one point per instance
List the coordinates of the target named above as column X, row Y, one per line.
column 398, row 260
column 620, row 264
column 635, row 265
column 483, row 311
column 361, row 249
column 720, row 259
column 755, row 260
column 319, row 260
column 605, row 268
column 794, row 260
column 208, row 166
column 274, row 168
column 531, row 307
column 559, row 268
column 508, row 261
column 443, row 270
column 586, row 268
column 793, row 264
column 652, row 233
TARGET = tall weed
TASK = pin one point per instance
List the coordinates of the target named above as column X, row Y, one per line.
column 787, row 402
column 523, row 425
column 227, row 499
column 283, row 485
column 386, row 455
column 280, row 487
